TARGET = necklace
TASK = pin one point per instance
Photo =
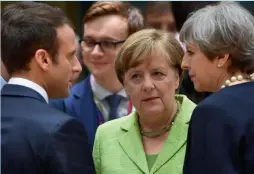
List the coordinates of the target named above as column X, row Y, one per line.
column 237, row 78
column 154, row 134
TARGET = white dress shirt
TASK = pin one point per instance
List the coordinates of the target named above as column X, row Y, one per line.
column 101, row 93
column 29, row 84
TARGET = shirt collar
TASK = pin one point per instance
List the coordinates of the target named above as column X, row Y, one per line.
column 101, row 93
column 29, row 84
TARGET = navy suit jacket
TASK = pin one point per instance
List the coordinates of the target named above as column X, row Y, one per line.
column 80, row 104
column 38, row 139
column 221, row 133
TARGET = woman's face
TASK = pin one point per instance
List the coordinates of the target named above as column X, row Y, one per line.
column 204, row 73
column 151, row 85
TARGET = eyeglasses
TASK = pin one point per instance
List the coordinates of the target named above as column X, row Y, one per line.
column 105, row 45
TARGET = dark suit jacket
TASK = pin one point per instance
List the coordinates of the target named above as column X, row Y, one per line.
column 221, row 133
column 80, row 104
column 38, row 139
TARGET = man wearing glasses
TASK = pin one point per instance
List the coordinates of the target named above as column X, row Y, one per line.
column 101, row 97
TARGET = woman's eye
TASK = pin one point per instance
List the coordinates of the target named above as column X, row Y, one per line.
column 158, row 73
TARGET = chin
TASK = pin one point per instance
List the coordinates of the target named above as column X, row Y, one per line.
column 154, row 111
column 98, row 72
column 198, row 88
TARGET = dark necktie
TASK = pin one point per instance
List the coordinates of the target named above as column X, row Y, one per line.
column 113, row 101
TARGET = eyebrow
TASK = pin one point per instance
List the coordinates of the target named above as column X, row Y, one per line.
column 134, row 69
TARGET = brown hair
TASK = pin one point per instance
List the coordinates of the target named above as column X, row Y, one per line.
column 27, row 27
column 147, row 42
column 124, row 9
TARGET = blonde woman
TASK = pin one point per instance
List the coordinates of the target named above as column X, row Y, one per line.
column 153, row 138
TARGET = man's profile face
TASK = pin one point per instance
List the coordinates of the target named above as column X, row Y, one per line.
column 62, row 72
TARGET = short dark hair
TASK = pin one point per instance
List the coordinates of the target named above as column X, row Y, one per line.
column 27, row 27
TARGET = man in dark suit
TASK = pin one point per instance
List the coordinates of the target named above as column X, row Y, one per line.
column 39, row 53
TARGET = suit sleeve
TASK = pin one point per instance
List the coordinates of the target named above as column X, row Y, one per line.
column 68, row 151
column 212, row 143
column 96, row 152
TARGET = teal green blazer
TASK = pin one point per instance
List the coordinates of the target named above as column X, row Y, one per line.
column 118, row 146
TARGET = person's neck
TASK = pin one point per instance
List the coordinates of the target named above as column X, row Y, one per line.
column 156, row 122
column 110, row 83
column 28, row 76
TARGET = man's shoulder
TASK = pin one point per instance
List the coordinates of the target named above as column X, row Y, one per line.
column 38, row 116
column 53, row 118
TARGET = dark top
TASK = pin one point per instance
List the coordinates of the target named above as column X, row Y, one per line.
column 38, row 139
column 221, row 133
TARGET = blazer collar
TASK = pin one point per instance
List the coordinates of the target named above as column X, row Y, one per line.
column 79, row 89
column 132, row 144
column 21, row 91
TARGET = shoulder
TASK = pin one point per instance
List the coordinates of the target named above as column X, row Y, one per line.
column 186, row 104
column 234, row 104
column 215, row 110
column 59, row 123
column 43, row 121
column 51, row 119
column 186, row 108
column 116, row 127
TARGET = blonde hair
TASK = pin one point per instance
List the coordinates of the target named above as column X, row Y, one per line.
column 148, row 42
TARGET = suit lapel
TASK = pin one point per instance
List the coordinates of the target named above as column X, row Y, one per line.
column 175, row 141
column 132, row 145
column 177, row 135
column 85, row 109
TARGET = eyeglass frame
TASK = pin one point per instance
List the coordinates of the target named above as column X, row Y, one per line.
column 115, row 43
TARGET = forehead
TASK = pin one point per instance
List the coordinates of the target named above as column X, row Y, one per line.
column 66, row 37
column 155, row 60
column 110, row 26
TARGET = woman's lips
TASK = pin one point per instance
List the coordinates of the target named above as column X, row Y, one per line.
column 150, row 99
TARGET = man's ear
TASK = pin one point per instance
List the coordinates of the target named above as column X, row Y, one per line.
column 43, row 59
